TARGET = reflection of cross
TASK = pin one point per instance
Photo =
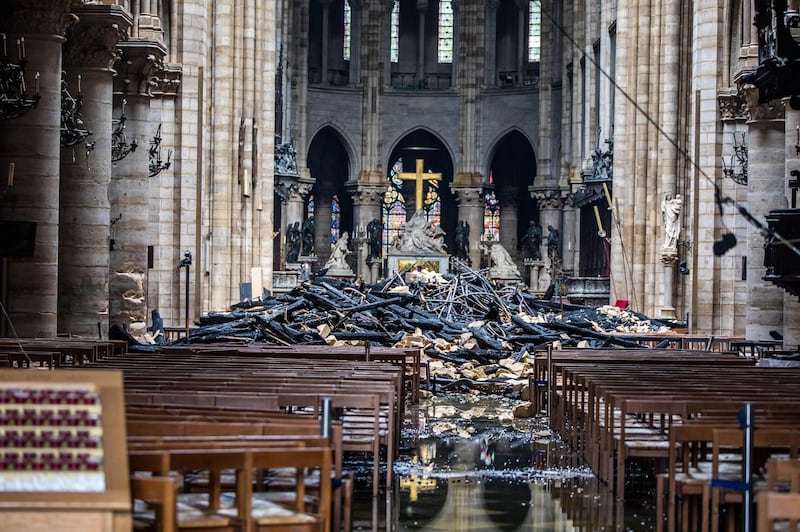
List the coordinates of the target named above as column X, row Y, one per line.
column 419, row 177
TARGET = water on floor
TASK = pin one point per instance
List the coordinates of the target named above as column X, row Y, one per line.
column 467, row 465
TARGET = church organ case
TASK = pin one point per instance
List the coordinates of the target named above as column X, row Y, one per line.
column 63, row 455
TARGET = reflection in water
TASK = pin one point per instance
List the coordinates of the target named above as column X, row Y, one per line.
column 467, row 467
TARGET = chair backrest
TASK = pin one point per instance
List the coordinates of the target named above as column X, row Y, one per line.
column 159, row 492
column 773, row 506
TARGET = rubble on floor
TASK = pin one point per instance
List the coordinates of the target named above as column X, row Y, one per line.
column 471, row 330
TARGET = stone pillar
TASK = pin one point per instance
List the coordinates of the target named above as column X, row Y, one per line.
column 323, row 196
column 522, row 15
column 29, row 285
column 765, row 192
column 298, row 191
column 550, row 204
column 422, row 7
column 669, row 259
column 490, row 44
column 509, row 223
column 366, row 207
column 128, row 191
column 470, row 209
column 326, row 7
column 85, row 209
column 570, row 236
column 356, row 8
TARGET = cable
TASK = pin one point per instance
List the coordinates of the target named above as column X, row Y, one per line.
column 765, row 231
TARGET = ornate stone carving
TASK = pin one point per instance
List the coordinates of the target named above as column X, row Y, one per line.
column 731, row 106
column 469, row 197
column 285, row 159
column 170, row 81
column 367, row 195
column 299, row 191
column 141, row 66
column 93, row 41
column 772, row 110
column 46, row 17
column 548, row 199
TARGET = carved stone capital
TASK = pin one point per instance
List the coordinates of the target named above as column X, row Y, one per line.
column 170, row 80
column 772, row 110
column 367, row 195
column 299, row 191
column 731, row 105
column 93, row 42
column 566, row 199
column 140, row 68
column 44, row 17
column 548, row 199
column 469, row 197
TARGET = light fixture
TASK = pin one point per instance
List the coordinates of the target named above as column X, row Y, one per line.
column 72, row 130
column 156, row 164
column 737, row 169
column 14, row 99
column 120, row 148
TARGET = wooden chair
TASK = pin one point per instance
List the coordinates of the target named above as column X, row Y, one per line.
column 158, row 497
column 773, row 506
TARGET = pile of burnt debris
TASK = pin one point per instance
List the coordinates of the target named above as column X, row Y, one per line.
column 460, row 317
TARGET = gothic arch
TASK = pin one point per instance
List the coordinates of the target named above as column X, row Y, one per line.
column 398, row 140
column 338, row 130
column 511, row 170
column 498, row 141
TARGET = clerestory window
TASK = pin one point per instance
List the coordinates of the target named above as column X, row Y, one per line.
column 445, row 31
column 395, row 36
column 534, row 31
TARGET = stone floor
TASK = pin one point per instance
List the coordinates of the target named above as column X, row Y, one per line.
column 465, row 464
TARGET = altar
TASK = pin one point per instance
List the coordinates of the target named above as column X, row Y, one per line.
column 401, row 263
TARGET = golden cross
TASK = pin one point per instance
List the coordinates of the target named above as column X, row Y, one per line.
column 419, row 177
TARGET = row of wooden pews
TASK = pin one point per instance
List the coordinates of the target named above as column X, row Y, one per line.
column 669, row 406
column 57, row 352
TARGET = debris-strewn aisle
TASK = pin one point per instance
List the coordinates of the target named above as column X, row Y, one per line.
column 472, row 329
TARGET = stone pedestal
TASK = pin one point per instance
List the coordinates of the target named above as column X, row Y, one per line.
column 535, row 269
column 669, row 256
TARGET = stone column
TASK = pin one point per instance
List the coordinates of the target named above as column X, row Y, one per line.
column 669, row 258
column 322, row 223
column 128, row 191
column 422, row 7
column 570, row 235
column 326, row 7
column 490, row 44
column 29, row 285
column 366, row 207
column 470, row 209
column 765, row 192
column 509, row 223
column 522, row 15
column 550, row 204
column 85, row 210
column 356, row 8
column 298, row 191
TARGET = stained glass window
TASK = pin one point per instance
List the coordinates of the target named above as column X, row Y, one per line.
column 335, row 215
column 348, row 17
column 491, row 217
column 445, row 31
column 394, row 207
column 534, row 31
column 395, row 37
column 432, row 203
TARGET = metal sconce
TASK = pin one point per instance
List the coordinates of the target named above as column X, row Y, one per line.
column 72, row 130
column 119, row 142
column 737, row 170
column 156, row 165
column 14, row 99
